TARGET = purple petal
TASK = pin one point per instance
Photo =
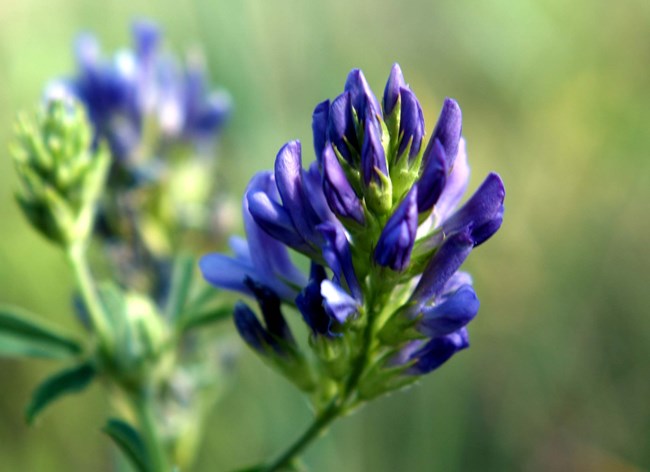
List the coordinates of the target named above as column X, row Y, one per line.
column 146, row 35
column 319, row 121
column 451, row 314
column 411, row 125
column 313, row 184
column 338, row 303
column 212, row 115
column 456, row 281
column 484, row 206
column 269, row 256
column 448, row 130
column 455, row 186
column 361, row 97
column 250, row 328
column 87, row 52
column 483, row 232
column 288, row 177
column 340, row 127
column 226, row 272
column 338, row 256
column 392, row 90
column 447, row 260
column 433, row 179
column 269, row 304
column 396, row 240
column 340, row 195
column 275, row 220
column 373, row 157
column 438, row 351
column 239, row 246
column 310, row 303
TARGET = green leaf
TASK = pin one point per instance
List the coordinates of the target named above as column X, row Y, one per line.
column 180, row 286
column 22, row 334
column 67, row 381
column 204, row 317
column 129, row 441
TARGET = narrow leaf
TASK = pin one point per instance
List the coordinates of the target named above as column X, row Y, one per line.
column 180, row 285
column 22, row 334
column 129, row 441
column 206, row 316
column 67, row 381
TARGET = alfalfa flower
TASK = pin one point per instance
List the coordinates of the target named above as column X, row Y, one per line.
column 377, row 216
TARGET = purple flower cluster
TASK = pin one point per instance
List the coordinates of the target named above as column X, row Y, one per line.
column 376, row 216
column 139, row 88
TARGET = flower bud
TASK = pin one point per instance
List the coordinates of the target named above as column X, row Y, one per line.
column 396, row 241
column 62, row 179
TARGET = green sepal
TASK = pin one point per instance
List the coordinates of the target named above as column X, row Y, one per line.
column 65, row 382
column 381, row 379
column 379, row 196
column 352, row 173
column 399, row 328
column 21, row 334
column 129, row 441
column 333, row 354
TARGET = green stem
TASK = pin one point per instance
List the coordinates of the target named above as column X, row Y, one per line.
column 319, row 425
column 338, row 406
column 77, row 258
column 143, row 406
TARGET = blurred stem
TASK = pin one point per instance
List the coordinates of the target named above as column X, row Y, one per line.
column 320, row 424
column 76, row 254
column 143, row 405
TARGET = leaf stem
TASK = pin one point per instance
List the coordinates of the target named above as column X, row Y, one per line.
column 76, row 255
column 143, row 405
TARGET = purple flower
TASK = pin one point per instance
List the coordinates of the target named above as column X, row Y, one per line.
column 362, row 99
column 442, row 266
column 483, row 212
column 310, row 303
column 337, row 254
column 434, row 177
column 451, row 312
column 260, row 257
column 448, row 130
column 121, row 92
column 392, row 91
column 340, row 195
column 373, row 157
column 294, row 220
column 411, row 125
column 340, row 128
column 396, row 241
column 437, row 351
column 375, row 199
column 319, row 121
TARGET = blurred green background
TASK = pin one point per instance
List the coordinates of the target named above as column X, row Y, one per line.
column 556, row 97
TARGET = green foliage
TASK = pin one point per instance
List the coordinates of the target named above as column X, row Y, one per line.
column 205, row 316
column 65, row 382
column 129, row 441
column 24, row 335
